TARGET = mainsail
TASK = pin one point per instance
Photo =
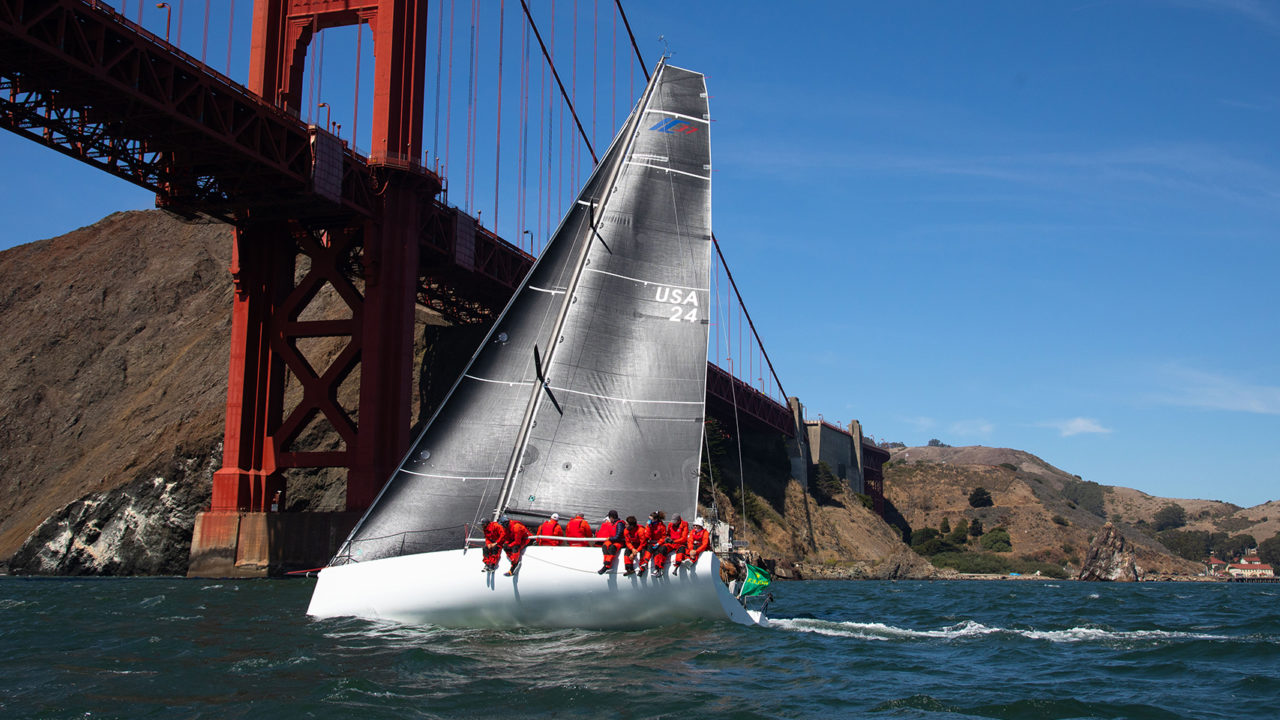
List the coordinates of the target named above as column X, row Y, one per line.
column 588, row 393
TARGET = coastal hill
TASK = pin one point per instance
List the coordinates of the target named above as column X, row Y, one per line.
column 1051, row 515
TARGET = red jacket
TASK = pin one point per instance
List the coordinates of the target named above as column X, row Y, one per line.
column 517, row 534
column 636, row 539
column 678, row 533
column 606, row 530
column 494, row 533
column 550, row 527
column 657, row 532
column 578, row 528
column 699, row 540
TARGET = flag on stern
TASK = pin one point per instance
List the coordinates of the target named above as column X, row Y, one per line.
column 757, row 580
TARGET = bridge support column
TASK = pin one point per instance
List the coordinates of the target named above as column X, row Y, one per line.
column 262, row 265
column 386, row 366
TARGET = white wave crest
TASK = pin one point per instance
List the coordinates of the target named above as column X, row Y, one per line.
column 972, row 629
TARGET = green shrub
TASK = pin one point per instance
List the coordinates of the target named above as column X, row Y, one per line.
column 1009, row 466
column 1085, row 494
column 866, row 501
column 960, row 535
column 1059, row 520
column 918, row 537
column 997, row 541
column 971, row 562
column 975, row 528
column 1170, row 516
column 980, row 498
column 944, row 527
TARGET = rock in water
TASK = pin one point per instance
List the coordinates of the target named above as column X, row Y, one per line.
column 1110, row 558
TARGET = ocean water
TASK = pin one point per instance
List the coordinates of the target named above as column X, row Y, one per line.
column 177, row 648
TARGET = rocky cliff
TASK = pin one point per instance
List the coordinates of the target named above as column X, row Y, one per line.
column 1110, row 557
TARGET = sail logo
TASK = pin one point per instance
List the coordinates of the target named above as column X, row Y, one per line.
column 675, row 126
column 680, row 300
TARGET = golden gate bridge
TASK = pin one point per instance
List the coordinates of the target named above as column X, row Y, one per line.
column 311, row 211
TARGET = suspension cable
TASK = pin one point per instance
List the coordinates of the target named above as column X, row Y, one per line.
column 643, row 68
column 743, row 305
column 497, row 155
column 524, row 4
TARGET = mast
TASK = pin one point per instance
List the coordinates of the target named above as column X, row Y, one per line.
column 597, row 209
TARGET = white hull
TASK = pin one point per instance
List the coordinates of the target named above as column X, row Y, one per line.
column 555, row 587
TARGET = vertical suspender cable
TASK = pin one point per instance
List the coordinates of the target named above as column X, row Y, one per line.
column 573, row 93
column 613, row 69
column 231, row 26
column 497, row 162
column 355, row 106
column 581, row 132
column 634, row 46
column 204, row 44
column 435, row 137
column 734, row 285
column 595, row 60
column 448, row 104
column 181, row 7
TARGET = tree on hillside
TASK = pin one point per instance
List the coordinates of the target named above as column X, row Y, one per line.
column 997, row 541
column 1230, row 547
column 1170, row 516
column 945, row 526
column 935, row 442
column 980, row 498
column 1269, row 551
column 960, row 535
column 975, row 528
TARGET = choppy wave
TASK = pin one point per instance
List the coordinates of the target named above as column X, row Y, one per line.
column 973, row 629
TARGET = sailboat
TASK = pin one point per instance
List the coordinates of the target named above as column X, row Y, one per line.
column 588, row 395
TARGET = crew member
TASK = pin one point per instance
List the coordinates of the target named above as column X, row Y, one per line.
column 611, row 530
column 494, row 534
column 517, row 538
column 658, row 547
column 578, row 528
column 678, row 538
column 699, row 541
column 549, row 530
column 636, row 538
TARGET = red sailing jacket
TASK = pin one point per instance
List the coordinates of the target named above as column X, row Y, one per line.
column 494, row 533
column 657, row 532
column 550, row 527
column 517, row 534
column 679, row 533
column 578, row 528
column 637, row 538
column 699, row 540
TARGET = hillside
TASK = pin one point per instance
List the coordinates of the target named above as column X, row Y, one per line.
column 1051, row 515
column 115, row 371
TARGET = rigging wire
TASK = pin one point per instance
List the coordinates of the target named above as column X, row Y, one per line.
column 448, row 110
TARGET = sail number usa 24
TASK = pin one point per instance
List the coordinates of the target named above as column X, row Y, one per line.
column 684, row 303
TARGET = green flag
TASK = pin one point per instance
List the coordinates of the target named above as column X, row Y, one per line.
column 757, row 580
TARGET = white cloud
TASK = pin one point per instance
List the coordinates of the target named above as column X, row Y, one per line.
column 1207, row 391
column 976, row 427
column 920, row 423
column 1076, row 426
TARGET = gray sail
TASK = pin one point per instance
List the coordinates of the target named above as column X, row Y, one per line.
column 627, row 377
column 621, row 424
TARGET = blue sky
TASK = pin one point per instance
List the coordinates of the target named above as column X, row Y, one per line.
column 1047, row 226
